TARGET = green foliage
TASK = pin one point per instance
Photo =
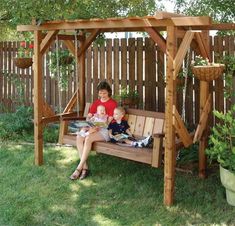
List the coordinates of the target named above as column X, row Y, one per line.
column 222, row 140
column 61, row 63
column 188, row 155
column 127, row 96
column 19, row 86
column 229, row 61
column 50, row 134
column 221, row 11
column 17, row 124
column 21, row 12
column 200, row 61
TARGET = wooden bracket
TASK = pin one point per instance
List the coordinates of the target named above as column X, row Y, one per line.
column 202, row 46
column 88, row 41
column 72, row 102
column 47, row 110
column 47, row 41
column 203, row 120
column 185, row 44
column 157, row 38
column 181, row 130
column 70, row 44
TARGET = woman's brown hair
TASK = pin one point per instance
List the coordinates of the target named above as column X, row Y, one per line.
column 103, row 85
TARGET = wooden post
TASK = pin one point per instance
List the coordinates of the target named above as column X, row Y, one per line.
column 204, row 94
column 81, row 93
column 38, row 99
column 169, row 166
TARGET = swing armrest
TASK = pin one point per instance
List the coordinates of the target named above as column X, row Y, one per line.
column 158, row 135
column 80, row 118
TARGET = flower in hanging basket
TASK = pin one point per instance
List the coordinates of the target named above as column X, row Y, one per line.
column 24, row 56
column 25, row 51
column 199, row 61
column 206, row 71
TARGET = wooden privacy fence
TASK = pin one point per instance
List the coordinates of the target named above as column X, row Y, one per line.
column 135, row 63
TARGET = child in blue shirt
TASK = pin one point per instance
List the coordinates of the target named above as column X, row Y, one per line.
column 119, row 131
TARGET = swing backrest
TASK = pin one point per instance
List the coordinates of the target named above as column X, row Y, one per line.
column 145, row 123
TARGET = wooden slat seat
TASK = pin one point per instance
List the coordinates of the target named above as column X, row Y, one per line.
column 143, row 155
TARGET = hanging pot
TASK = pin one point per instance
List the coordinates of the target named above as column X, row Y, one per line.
column 23, row 62
column 65, row 60
column 180, row 81
column 208, row 72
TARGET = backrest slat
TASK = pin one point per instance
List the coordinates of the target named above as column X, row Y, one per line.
column 148, row 128
column 131, row 122
column 139, row 126
column 152, row 114
column 158, row 126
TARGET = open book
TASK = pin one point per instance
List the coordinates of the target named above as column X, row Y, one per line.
column 80, row 124
column 121, row 136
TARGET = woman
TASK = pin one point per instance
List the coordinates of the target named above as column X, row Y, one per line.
column 84, row 144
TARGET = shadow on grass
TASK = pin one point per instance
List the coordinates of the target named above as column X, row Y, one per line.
column 119, row 192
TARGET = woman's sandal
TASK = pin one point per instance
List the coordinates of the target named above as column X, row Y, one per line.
column 85, row 173
column 76, row 174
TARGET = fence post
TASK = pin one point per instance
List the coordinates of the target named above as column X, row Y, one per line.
column 233, row 88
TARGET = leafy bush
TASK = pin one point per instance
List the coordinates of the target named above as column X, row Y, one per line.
column 51, row 134
column 17, row 124
column 222, row 140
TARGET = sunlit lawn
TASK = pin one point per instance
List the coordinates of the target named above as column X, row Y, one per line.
column 119, row 192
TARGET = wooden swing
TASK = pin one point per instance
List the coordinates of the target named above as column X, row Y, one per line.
column 176, row 26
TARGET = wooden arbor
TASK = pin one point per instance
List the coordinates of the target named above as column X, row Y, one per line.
column 190, row 29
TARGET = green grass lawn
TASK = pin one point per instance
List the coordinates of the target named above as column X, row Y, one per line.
column 119, row 192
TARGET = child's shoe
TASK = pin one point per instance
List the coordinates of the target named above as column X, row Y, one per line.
column 147, row 141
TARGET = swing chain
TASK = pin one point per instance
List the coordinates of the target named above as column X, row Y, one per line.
column 76, row 64
column 58, row 73
column 178, row 156
column 185, row 73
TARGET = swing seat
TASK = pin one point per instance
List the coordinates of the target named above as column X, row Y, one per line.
column 142, row 124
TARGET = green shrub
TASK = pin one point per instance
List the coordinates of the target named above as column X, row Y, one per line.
column 17, row 124
column 51, row 134
column 222, row 140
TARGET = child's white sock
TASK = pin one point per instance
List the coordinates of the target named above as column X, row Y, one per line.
column 143, row 143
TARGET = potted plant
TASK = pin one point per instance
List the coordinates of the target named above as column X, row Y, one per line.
column 61, row 63
column 222, row 149
column 128, row 97
column 24, row 55
column 206, row 71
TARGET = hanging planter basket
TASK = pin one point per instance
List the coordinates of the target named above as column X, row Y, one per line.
column 208, row 72
column 65, row 60
column 180, row 81
column 23, row 62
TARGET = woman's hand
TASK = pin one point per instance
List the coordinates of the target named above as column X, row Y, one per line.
column 89, row 116
column 93, row 129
